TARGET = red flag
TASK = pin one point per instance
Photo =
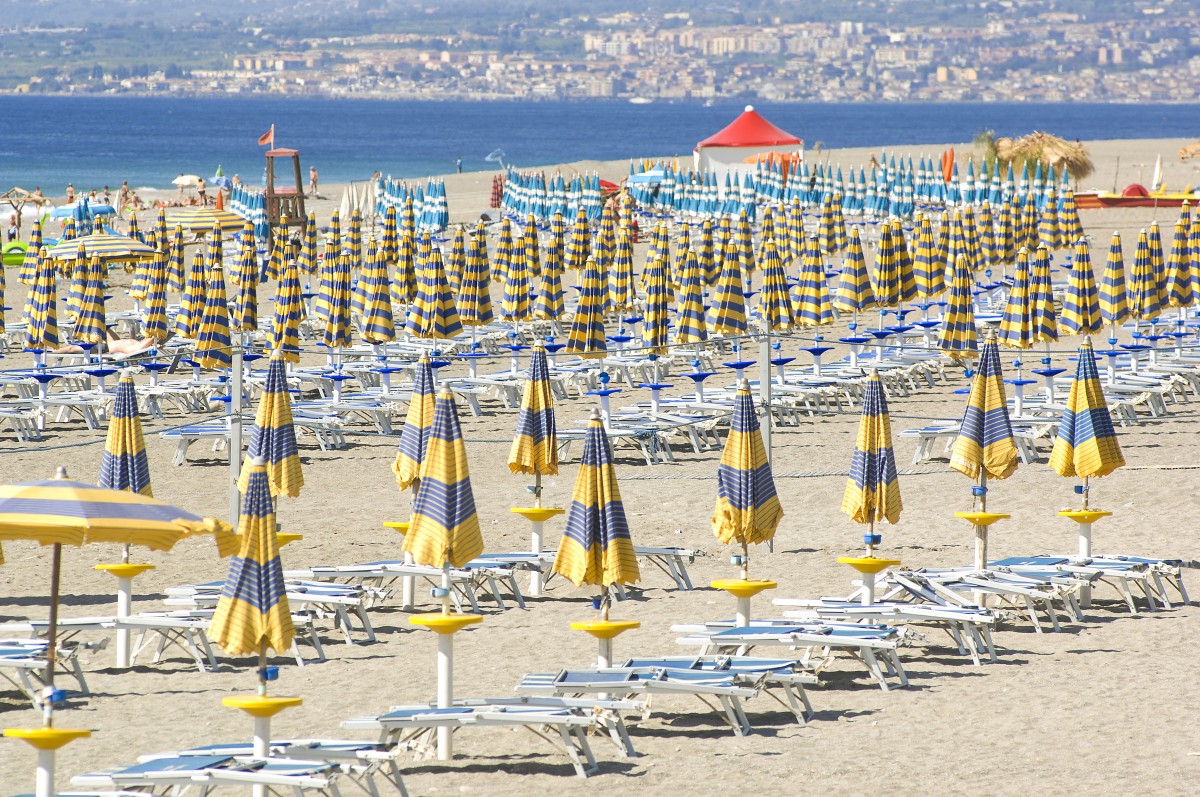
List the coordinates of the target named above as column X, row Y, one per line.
column 267, row 137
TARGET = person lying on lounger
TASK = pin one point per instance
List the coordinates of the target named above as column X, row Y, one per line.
column 119, row 348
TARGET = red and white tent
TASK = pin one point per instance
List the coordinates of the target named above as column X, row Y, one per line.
column 733, row 148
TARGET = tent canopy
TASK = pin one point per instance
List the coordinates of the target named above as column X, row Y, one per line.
column 734, row 148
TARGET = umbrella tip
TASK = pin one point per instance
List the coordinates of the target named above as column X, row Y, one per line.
column 60, row 473
column 743, row 384
column 595, row 416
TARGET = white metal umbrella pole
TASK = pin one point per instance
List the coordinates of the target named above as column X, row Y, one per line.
column 235, row 430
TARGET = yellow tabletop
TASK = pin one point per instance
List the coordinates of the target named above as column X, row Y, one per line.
column 284, row 537
column 605, row 629
column 124, row 569
column 445, row 623
column 400, row 526
column 867, row 564
column 743, row 588
column 46, row 738
column 537, row 514
column 982, row 518
column 261, row 705
column 1084, row 515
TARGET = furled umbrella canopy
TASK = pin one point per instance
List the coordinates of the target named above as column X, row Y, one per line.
column 273, row 436
column 747, row 510
column 534, row 449
column 1086, row 444
column 414, row 436
column 985, row 442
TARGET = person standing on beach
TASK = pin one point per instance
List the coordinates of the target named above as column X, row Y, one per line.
column 202, row 192
column 458, row 165
column 122, row 199
column 70, row 193
column 312, row 180
column 13, row 230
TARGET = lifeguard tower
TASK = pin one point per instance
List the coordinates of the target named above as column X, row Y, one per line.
column 283, row 201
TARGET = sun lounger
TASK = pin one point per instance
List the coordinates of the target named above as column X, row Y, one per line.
column 173, row 773
column 773, row 675
column 23, row 664
column 381, row 576
column 1120, row 574
column 416, row 726
column 967, row 587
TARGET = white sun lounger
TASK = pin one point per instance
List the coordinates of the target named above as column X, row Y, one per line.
column 23, row 664
column 173, row 773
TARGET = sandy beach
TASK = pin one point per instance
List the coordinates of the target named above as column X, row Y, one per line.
column 1100, row 706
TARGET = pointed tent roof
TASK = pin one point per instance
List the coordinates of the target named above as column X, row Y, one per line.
column 750, row 129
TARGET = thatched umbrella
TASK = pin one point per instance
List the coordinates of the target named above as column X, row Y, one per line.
column 1049, row 150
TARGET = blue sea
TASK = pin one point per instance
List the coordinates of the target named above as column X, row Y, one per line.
column 96, row 141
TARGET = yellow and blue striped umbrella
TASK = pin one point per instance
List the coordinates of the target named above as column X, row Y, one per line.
column 745, row 241
column 728, row 311
column 1086, row 445
column 408, row 218
column 550, row 304
column 596, row 547
column 329, row 257
column 176, row 267
column 246, row 273
column 985, row 445
column 204, row 220
column 885, row 276
column 706, row 253
column 958, row 337
column 191, row 304
column 29, row 265
column 80, row 272
column 307, row 257
column 535, row 448
column 1006, row 251
column 533, row 254
column 109, row 248
column 213, row 341
column 273, row 436
column 389, row 237
column 68, row 231
column 279, row 246
column 252, row 612
column 620, row 277
column 1143, row 284
column 160, row 227
column 587, row 337
column 683, row 245
column 810, row 297
column 516, row 306
column 89, row 323
column 1041, row 296
column 1158, row 264
column 289, row 311
column 656, row 319
column 433, row 313
column 873, row 488
column 904, row 262
column 579, row 244
column 1181, row 282
column 445, row 526
column 1080, row 304
column 378, row 325
column 456, row 261
column 690, row 326
column 334, row 234
column 154, row 322
column 404, row 278
column 775, row 302
column 1047, row 230
column 41, row 307
column 414, row 437
column 353, row 244
column 825, row 226
column 987, row 237
column 1016, row 327
column 337, row 297
column 928, row 271
column 747, row 510
column 1114, row 301
column 854, row 292
column 504, row 251
column 123, row 465
column 1069, row 225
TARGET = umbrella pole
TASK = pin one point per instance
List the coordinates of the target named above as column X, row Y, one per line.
column 408, row 584
column 52, row 639
column 981, row 532
column 235, row 431
column 764, row 397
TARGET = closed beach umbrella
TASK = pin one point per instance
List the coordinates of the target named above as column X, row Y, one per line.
column 579, row 243
column 984, row 446
column 353, row 245
column 958, row 337
column 515, row 306
column 307, row 261
column 1086, row 445
column 41, row 307
column 246, row 271
column 1016, row 327
column 1114, row 301
column 213, row 342
column 1080, row 304
column 289, row 311
column 811, row 295
column 414, row 437
column 334, row 234
column 80, row 271
column 727, row 316
column 534, row 449
column 928, row 271
column 176, row 267
column 586, row 337
column 1041, row 295
column 1158, row 263
column 252, row 613
column 904, row 263
column 273, row 436
column 123, row 465
column 1143, row 284
column 690, row 326
column 706, row 253
column 549, row 304
column 475, row 293
column 504, row 251
column 596, row 547
column 377, row 323
column 620, row 275
column 1181, row 282
column 456, row 261
column 389, row 236
column 775, row 302
column 885, row 277
column 337, row 301
column 29, row 265
column 854, row 293
column 873, row 489
column 533, row 254
column 404, row 278
column 89, row 323
column 656, row 320
column 445, row 526
column 747, row 510
column 1047, row 230
column 191, row 304
column 154, row 322
column 279, row 247
column 433, row 313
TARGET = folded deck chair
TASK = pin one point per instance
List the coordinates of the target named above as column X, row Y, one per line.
column 23, row 664
column 1149, row 576
column 416, row 726
column 816, row 643
column 649, row 682
column 1026, row 592
column 174, row 773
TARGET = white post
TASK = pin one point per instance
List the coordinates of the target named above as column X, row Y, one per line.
column 981, row 541
column 764, row 391
column 44, row 785
column 235, row 431
column 124, row 609
column 604, row 659
column 262, row 749
column 535, row 546
column 1085, row 552
column 408, row 586
column 445, row 694
column 868, row 589
column 743, row 612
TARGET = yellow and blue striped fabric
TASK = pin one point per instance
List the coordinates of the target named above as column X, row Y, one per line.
column 154, row 322
column 29, row 265
column 579, row 243
column 1068, row 218
column 706, row 254
column 1143, row 284
column 1081, row 306
column 109, row 248
column 728, row 311
column 958, row 336
column 775, row 301
column 475, row 295
column 202, row 220
column 515, row 305
column 1114, row 301
column 825, row 229
column 535, row 446
column 987, row 237
column 839, row 222
column 1016, row 327
column 683, row 245
column 620, row 277
column 404, row 278
column 873, row 488
column 253, row 612
column 1181, row 282
column 445, row 525
column 929, row 273
column 985, row 442
column 123, row 465
column 854, row 292
column 353, row 244
column 1086, row 445
column 389, row 237
column 745, row 241
column 1158, row 264
column 246, row 270
column 1041, row 295
column 333, row 236
column 885, row 276
column 89, row 323
column 408, row 218
column 274, row 264
column 329, row 257
column 656, row 320
column 378, row 326
column 456, row 261
column 79, row 270
column 191, row 304
column 176, row 267
column 1047, row 231
column 747, row 509
column 810, row 297
column 337, row 301
column 690, row 325
column 904, row 263
column 1004, row 233
column 433, row 313
column 273, row 436
column 596, row 547
column 41, row 307
column 414, row 436
column 504, row 251
column 307, row 258
column 533, row 255
column 213, row 341
column 586, row 337
column 289, row 311
column 550, row 302
column 160, row 226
